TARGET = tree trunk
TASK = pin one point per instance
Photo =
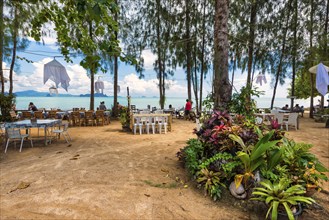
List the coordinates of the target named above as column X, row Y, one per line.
column 188, row 50
column 221, row 84
column 294, row 57
column 311, row 49
column 92, row 75
column 14, row 37
column 115, row 88
column 1, row 47
column 281, row 55
column 252, row 24
column 202, row 52
column 159, row 53
column 115, row 83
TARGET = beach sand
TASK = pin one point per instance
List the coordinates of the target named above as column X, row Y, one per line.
column 109, row 174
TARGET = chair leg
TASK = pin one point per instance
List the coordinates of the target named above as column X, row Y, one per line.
column 165, row 128
column 140, row 129
column 66, row 138
column 7, row 145
column 135, row 129
column 20, row 149
column 69, row 136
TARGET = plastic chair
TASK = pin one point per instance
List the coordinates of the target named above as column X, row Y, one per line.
column 15, row 134
column 162, row 122
column 138, row 123
column 63, row 131
column 292, row 120
column 259, row 120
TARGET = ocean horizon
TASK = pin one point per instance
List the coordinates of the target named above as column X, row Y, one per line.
column 68, row 103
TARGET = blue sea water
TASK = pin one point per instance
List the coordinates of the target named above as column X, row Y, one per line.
column 67, row 103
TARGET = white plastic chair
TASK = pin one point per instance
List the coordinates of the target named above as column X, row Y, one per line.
column 162, row 122
column 138, row 123
column 279, row 117
column 63, row 131
column 292, row 120
column 15, row 134
column 259, row 120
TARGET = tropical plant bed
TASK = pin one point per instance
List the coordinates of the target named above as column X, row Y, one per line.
column 253, row 162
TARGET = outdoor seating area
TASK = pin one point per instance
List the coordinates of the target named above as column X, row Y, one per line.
column 284, row 119
column 75, row 117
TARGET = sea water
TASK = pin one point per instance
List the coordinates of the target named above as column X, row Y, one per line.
column 68, row 103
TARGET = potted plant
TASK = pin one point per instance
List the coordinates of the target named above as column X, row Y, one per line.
column 281, row 196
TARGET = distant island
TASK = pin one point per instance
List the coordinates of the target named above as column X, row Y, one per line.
column 32, row 93
column 95, row 95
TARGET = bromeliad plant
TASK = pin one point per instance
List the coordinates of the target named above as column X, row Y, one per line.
column 281, row 195
column 253, row 157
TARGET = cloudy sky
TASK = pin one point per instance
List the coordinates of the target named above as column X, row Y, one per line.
column 30, row 76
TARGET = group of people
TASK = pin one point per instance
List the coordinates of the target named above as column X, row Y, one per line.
column 297, row 108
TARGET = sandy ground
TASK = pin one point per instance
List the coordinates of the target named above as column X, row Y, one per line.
column 109, row 174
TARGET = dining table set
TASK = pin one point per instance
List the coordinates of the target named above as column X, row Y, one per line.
column 157, row 121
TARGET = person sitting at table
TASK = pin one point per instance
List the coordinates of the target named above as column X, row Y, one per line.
column 32, row 107
column 298, row 109
column 102, row 106
column 286, row 107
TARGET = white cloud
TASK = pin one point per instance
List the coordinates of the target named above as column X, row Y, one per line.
column 142, row 87
column 149, row 59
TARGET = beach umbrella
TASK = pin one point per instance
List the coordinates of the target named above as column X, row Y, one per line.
column 99, row 86
column 322, row 78
column 56, row 72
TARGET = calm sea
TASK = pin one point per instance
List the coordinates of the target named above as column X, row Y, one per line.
column 66, row 103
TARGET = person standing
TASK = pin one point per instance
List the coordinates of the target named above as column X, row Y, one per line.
column 188, row 107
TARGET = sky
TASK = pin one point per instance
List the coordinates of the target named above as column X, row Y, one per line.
column 30, row 76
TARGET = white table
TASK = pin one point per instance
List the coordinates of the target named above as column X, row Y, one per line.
column 39, row 123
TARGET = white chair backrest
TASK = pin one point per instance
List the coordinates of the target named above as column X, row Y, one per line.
column 293, row 117
column 259, row 120
column 144, row 112
column 160, row 111
column 14, row 133
column 279, row 116
column 66, row 126
column 274, row 111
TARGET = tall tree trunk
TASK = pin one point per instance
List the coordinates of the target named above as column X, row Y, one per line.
column 115, row 83
column 221, row 84
column 188, row 49
column 252, row 25
column 311, row 49
column 92, row 74
column 159, row 53
column 1, row 47
column 294, row 58
column 14, row 38
column 234, row 66
column 202, row 52
column 281, row 55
